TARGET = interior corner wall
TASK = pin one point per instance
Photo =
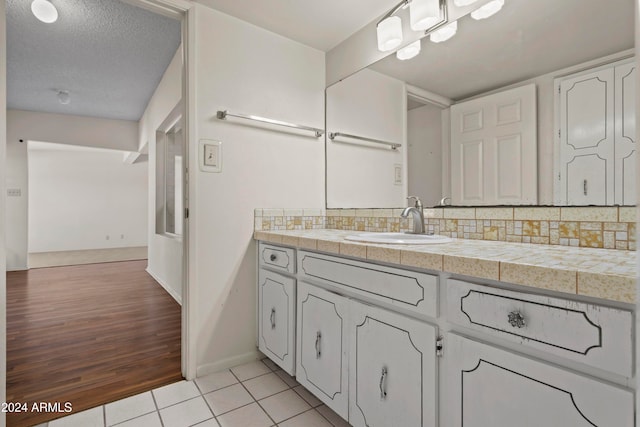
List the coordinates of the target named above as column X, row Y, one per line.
column 164, row 252
column 247, row 69
column 424, row 144
column 84, row 198
column 58, row 128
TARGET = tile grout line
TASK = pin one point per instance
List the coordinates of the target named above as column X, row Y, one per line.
column 153, row 397
column 104, row 414
column 254, row 399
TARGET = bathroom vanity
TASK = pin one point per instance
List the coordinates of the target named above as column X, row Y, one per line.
column 392, row 335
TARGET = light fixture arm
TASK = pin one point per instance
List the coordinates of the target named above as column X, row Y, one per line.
column 402, row 4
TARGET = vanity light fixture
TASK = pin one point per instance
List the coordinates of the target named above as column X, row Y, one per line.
column 462, row 3
column 409, row 51
column 44, row 10
column 389, row 32
column 424, row 14
column 444, row 33
column 63, row 97
column 487, row 10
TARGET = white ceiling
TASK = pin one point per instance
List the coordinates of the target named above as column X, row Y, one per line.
column 321, row 24
column 527, row 38
column 109, row 55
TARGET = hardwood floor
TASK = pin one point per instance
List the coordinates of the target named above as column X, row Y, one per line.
column 87, row 334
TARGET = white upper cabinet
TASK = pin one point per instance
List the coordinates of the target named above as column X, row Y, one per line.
column 597, row 137
column 494, row 149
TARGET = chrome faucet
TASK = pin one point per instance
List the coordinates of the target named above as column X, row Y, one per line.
column 418, row 216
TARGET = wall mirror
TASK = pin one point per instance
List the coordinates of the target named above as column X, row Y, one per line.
column 534, row 105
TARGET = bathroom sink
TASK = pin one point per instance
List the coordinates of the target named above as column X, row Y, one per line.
column 399, row 238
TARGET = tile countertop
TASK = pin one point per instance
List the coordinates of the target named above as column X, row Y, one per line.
column 602, row 273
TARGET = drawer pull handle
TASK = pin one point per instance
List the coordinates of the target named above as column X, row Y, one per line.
column 383, row 384
column 273, row 257
column 318, row 338
column 516, row 319
column 273, row 318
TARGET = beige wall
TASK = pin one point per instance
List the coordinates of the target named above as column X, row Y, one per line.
column 3, row 143
column 424, row 163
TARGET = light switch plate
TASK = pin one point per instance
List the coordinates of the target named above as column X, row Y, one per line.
column 210, row 157
column 397, row 174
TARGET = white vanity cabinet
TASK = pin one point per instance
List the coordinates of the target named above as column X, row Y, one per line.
column 323, row 346
column 392, row 369
column 277, row 306
column 371, row 342
column 489, row 387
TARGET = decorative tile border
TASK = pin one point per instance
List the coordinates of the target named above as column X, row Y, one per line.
column 594, row 227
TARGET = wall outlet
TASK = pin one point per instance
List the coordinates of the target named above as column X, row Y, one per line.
column 397, row 174
column 14, row 192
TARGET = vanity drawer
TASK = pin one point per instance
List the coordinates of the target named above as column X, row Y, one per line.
column 392, row 287
column 592, row 334
column 277, row 258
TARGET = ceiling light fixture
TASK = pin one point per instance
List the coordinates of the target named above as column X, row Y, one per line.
column 409, row 51
column 444, row 33
column 44, row 10
column 63, row 97
column 487, row 10
column 463, row 3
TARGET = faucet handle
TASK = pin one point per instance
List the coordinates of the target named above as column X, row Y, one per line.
column 418, row 202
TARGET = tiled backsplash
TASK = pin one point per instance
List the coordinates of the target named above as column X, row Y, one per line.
column 597, row 227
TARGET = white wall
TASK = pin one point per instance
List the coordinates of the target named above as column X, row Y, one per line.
column 362, row 175
column 164, row 252
column 246, row 69
column 80, row 196
column 424, row 140
column 63, row 129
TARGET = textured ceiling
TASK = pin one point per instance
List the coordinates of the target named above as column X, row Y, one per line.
column 109, row 55
column 319, row 24
column 527, row 38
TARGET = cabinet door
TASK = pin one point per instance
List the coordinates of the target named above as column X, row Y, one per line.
column 322, row 346
column 392, row 369
column 489, row 387
column 587, row 139
column 276, row 318
column 625, row 130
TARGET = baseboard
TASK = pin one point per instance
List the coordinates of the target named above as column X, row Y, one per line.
column 88, row 256
column 166, row 287
column 210, row 368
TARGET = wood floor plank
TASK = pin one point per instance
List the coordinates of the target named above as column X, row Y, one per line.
column 88, row 334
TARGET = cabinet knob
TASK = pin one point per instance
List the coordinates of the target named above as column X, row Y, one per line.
column 273, row 257
column 273, row 318
column 516, row 319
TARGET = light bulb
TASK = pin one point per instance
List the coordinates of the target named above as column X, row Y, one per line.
column 409, row 51
column 389, row 32
column 444, row 33
column 63, row 97
column 462, row 3
column 487, row 10
column 44, row 10
column 424, row 14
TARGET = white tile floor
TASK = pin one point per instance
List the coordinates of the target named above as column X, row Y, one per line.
column 257, row 394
